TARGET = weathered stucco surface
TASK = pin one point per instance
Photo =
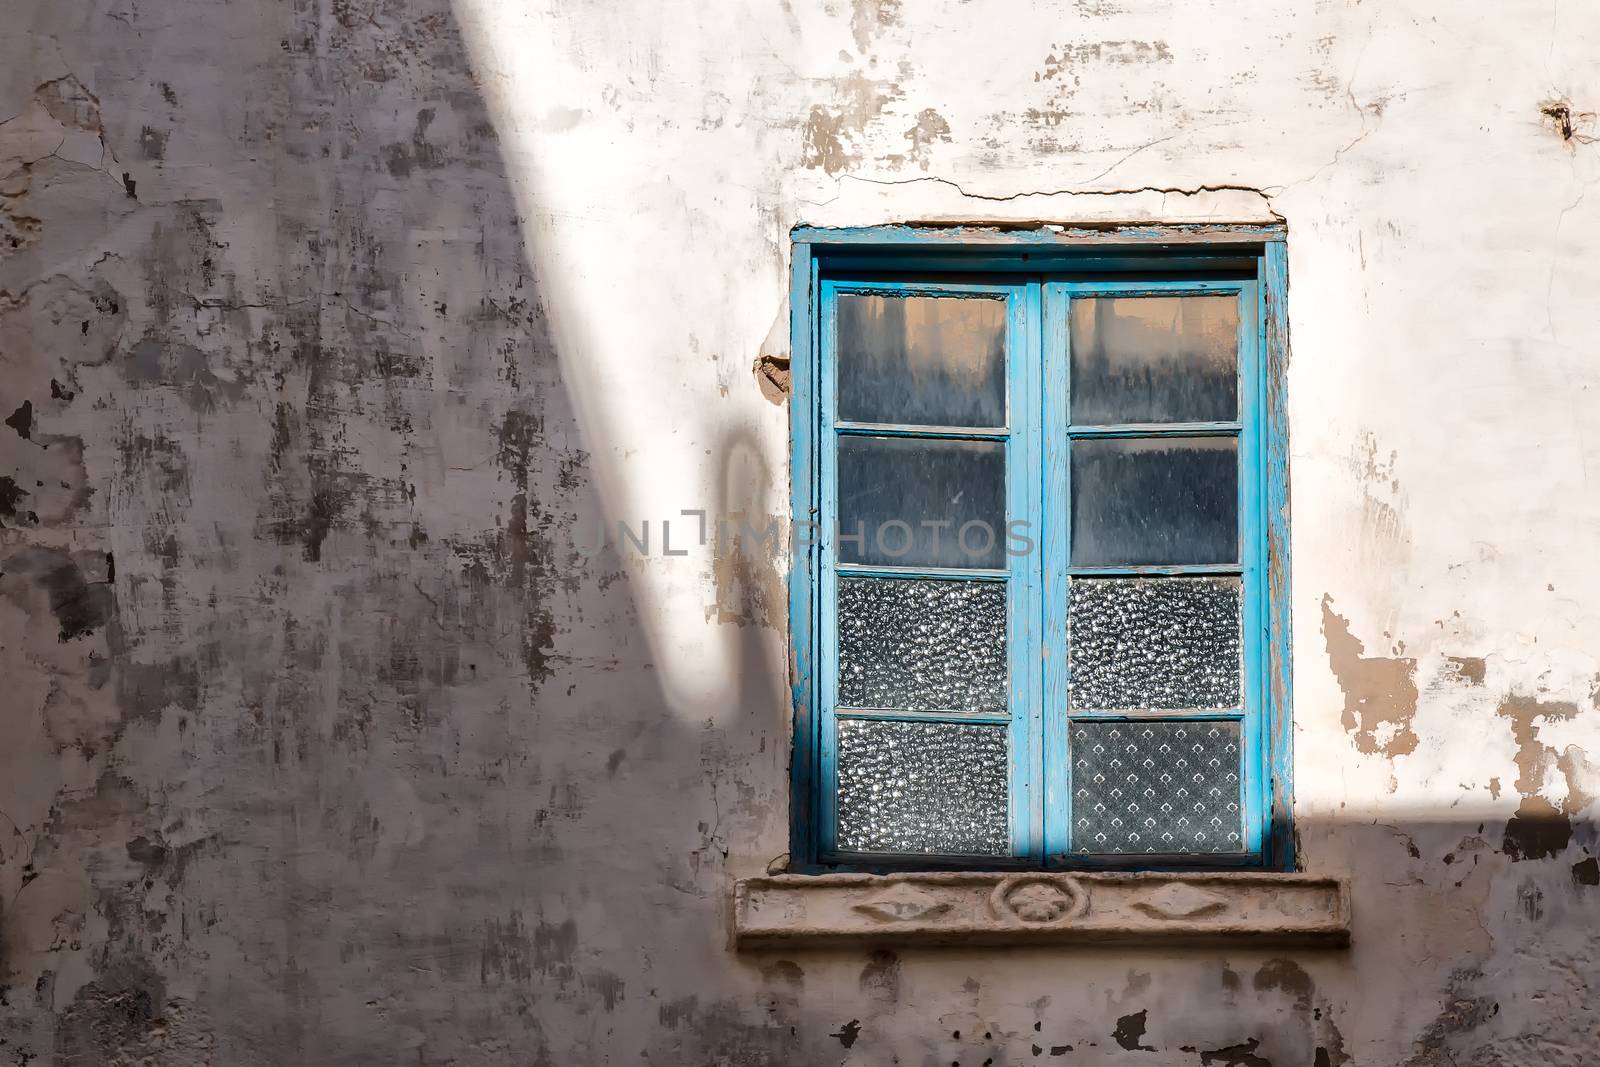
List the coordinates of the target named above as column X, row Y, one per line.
column 330, row 330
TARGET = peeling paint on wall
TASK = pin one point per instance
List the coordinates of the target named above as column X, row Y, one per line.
column 1380, row 692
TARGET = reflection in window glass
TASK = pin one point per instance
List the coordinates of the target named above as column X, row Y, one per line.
column 1155, row 501
column 1154, row 359
column 922, row 503
column 922, row 360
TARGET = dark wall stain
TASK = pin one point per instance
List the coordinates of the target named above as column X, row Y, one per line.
column 80, row 607
column 848, row 1033
column 1288, row 976
column 1537, row 831
column 328, row 503
column 880, row 978
column 125, row 1016
column 21, row 420
column 1130, row 1032
column 10, row 495
column 153, row 143
column 1242, row 1055
column 1463, row 1011
column 1540, row 829
column 154, row 361
column 419, row 153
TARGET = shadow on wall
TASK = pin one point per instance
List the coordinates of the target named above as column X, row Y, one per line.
column 323, row 745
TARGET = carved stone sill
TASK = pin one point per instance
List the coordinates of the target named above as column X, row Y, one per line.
column 797, row 911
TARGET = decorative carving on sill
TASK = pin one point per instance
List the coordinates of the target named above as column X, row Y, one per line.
column 1179, row 901
column 1037, row 899
column 1041, row 907
column 902, row 903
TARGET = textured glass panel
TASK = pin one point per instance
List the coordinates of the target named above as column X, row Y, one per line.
column 925, row 360
column 922, row 645
column 1155, row 359
column 1157, row 500
column 1155, row 787
column 1154, row 643
column 923, row 787
column 921, row 503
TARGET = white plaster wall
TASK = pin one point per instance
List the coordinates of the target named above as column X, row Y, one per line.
column 324, row 746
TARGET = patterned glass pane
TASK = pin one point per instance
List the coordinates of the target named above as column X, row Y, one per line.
column 1155, row 359
column 1160, row 500
column 922, row 360
column 1155, row 787
column 923, row 788
column 918, row 503
column 1167, row 644
column 922, row 645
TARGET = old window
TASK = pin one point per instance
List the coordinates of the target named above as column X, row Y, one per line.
column 1040, row 579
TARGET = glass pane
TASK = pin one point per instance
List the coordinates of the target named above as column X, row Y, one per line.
column 1155, row 787
column 1155, row 359
column 1154, row 643
column 922, row 645
column 925, row 360
column 1172, row 500
column 918, row 503
column 923, row 787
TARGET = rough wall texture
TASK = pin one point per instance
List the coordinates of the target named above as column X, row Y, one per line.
column 331, row 329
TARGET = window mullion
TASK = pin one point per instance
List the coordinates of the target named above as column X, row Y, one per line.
column 1252, row 540
column 1025, row 506
column 1054, row 553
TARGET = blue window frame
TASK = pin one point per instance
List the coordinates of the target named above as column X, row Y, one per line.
column 1039, row 593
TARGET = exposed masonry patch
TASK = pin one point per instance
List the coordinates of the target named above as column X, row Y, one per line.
column 1472, row 669
column 1380, row 692
column 772, row 374
column 833, row 133
column 1540, row 828
column 930, row 127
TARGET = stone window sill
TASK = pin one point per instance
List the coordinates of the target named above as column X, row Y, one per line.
column 1253, row 908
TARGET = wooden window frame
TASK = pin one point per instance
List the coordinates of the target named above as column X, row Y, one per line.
column 1039, row 270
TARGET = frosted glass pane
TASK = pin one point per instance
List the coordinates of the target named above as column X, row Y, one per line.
column 1155, row 787
column 1154, row 643
column 1155, row 359
column 924, row 360
column 1155, row 500
column 923, row 788
column 922, row 645
column 921, row 503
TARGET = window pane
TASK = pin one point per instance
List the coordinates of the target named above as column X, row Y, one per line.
column 1154, row 643
column 1155, row 359
column 923, row 787
column 920, row 503
column 924, row 360
column 922, row 645
column 1172, row 500
column 1155, row 787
